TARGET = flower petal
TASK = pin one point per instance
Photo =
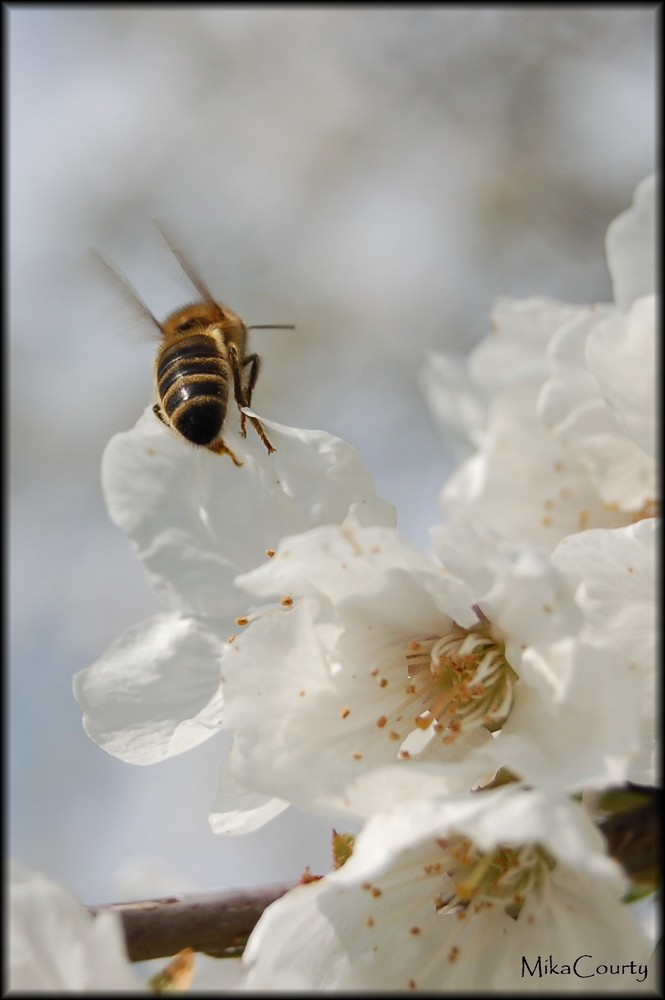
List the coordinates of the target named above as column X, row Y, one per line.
column 631, row 245
column 380, row 923
column 602, row 384
column 237, row 809
column 156, row 691
column 196, row 520
column 522, row 484
column 55, row 945
column 326, row 677
column 621, row 352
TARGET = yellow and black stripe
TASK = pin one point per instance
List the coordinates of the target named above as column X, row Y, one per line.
column 193, row 385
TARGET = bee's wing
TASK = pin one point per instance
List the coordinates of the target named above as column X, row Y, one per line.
column 125, row 286
column 185, row 264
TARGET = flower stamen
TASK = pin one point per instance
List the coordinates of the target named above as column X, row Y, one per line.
column 462, row 678
column 505, row 876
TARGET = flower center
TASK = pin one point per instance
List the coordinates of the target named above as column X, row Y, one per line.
column 504, row 877
column 463, row 679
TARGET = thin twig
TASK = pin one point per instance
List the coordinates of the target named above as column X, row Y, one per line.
column 217, row 923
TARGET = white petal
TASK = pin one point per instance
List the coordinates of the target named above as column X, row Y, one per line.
column 615, row 576
column 614, row 573
column 458, row 407
column 621, row 353
column 156, row 691
column 196, row 520
column 584, row 708
column 370, row 511
column 237, row 809
column 338, row 562
column 320, row 474
column 373, row 924
column 315, row 701
column 514, row 355
column 573, row 406
column 583, row 654
column 55, row 945
column 576, row 721
column 631, row 246
column 518, row 588
column 523, row 484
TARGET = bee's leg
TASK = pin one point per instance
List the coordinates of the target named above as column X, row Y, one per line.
column 256, row 424
column 234, row 363
column 221, row 449
column 157, row 410
column 243, row 397
column 254, row 362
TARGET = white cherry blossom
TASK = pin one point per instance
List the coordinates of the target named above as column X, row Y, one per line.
column 378, row 654
column 558, row 404
column 600, row 402
column 456, row 893
column 362, row 678
column 196, row 520
column 621, row 354
column 521, row 481
column 614, row 577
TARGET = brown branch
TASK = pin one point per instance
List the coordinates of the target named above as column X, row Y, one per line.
column 634, row 834
column 217, row 923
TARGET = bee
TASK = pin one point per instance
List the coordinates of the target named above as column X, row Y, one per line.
column 201, row 360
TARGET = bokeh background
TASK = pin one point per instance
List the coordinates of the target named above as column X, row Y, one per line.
column 375, row 176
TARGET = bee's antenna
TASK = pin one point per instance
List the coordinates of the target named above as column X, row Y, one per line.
column 271, row 326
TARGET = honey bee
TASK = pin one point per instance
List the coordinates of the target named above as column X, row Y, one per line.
column 202, row 359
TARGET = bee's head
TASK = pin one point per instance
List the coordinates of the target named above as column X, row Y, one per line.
column 198, row 317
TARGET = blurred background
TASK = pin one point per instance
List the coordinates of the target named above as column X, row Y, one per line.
column 374, row 176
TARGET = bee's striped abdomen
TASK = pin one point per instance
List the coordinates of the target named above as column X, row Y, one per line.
column 193, row 384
